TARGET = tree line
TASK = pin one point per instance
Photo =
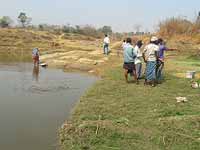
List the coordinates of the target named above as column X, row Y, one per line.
column 25, row 22
column 23, row 19
column 168, row 27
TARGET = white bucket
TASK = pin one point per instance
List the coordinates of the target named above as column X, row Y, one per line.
column 190, row 74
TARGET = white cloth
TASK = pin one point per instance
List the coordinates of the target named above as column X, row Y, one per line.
column 138, row 54
column 106, row 40
column 124, row 45
column 149, row 52
column 154, row 38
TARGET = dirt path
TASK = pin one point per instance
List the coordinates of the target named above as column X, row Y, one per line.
column 77, row 55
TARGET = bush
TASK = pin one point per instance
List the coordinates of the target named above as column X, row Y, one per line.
column 86, row 30
column 5, row 21
column 176, row 26
column 106, row 30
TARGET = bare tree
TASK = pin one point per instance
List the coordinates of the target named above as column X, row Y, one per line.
column 24, row 20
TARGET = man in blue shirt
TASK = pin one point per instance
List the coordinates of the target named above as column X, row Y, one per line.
column 161, row 59
column 129, row 60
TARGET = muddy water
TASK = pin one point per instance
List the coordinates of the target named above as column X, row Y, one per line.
column 34, row 102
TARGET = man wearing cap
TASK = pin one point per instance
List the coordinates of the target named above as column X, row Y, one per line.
column 150, row 55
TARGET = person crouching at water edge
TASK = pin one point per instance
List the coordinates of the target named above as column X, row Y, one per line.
column 106, row 43
column 35, row 56
column 129, row 60
column 138, row 60
column 150, row 58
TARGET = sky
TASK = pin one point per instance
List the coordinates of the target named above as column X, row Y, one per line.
column 122, row 15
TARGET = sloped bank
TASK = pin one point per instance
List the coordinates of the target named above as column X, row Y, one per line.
column 116, row 115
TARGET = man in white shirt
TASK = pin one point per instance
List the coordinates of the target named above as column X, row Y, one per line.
column 106, row 43
column 150, row 56
column 138, row 60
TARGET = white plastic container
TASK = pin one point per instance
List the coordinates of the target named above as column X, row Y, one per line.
column 190, row 74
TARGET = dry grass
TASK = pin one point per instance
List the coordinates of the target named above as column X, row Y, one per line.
column 19, row 39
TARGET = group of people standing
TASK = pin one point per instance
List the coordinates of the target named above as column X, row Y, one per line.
column 153, row 56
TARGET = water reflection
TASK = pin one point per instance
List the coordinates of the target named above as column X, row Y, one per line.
column 36, row 70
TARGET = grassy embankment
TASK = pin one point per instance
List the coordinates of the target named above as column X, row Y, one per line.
column 114, row 115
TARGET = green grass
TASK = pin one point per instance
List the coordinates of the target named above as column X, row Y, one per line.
column 115, row 115
column 191, row 62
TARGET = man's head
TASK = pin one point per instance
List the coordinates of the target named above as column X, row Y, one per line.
column 139, row 43
column 128, row 40
column 154, row 40
column 106, row 35
column 160, row 41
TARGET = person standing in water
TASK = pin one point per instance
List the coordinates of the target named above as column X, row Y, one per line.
column 35, row 56
column 106, row 43
column 150, row 56
column 138, row 60
column 129, row 60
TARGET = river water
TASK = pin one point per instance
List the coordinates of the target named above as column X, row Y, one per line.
column 34, row 102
